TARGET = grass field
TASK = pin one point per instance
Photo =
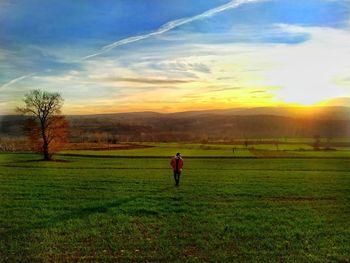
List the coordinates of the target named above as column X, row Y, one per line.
column 93, row 209
column 169, row 149
column 297, row 149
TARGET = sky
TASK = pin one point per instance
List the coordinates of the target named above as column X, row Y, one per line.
column 168, row 56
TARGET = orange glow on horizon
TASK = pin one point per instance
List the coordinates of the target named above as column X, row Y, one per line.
column 182, row 107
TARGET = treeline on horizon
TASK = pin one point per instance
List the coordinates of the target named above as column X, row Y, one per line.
column 197, row 128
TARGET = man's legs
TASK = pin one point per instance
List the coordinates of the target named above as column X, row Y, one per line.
column 177, row 177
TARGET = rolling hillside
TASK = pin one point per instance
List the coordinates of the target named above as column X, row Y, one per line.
column 266, row 122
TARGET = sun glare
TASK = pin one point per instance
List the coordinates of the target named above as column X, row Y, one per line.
column 305, row 97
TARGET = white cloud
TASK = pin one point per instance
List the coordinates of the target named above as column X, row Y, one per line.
column 195, row 73
column 171, row 25
column 306, row 72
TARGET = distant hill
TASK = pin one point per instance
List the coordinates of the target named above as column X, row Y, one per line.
column 326, row 112
column 333, row 113
column 262, row 122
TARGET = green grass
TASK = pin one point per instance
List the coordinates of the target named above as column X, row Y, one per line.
column 168, row 150
column 335, row 154
column 217, row 150
column 283, row 147
column 88, row 209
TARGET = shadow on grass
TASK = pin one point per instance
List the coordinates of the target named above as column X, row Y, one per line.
column 80, row 213
column 11, row 163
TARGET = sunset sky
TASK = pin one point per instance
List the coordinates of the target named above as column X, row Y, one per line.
column 122, row 55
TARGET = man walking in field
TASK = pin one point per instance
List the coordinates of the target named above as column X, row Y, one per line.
column 177, row 164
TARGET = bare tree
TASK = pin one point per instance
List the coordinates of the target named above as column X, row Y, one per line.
column 48, row 129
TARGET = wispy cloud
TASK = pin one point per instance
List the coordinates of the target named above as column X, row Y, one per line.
column 13, row 81
column 258, row 91
column 171, row 25
column 163, row 29
column 233, row 60
column 149, row 80
column 225, row 89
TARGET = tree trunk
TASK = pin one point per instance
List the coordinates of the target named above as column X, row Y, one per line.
column 47, row 156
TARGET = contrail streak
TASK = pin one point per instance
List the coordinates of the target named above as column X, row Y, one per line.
column 16, row 80
column 163, row 29
column 171, row 25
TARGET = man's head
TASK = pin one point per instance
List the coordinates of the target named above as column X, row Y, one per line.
column 178, row 154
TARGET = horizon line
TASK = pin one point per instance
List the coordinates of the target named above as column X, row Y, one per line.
column 304, row 107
